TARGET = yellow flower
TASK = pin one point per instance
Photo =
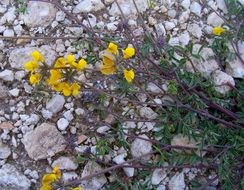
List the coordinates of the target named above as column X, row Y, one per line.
column 37, row 56
column 112, row 48
column 128, row 52
column 218, row 31
column 108, row 69
column 129, row 75
column 66, row 89
column 70, row 58
column 46, row 187
column 60, row 62
column 108, row 59
column 55, row 75
column 31, row 66
column 80, row 65
column 57, row 172
column 58, row 87
column 48, row 179
column 76, row 188
column 35, row 78
column 75, row 87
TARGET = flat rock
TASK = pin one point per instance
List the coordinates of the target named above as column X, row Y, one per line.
column 3, row 91
column 97, row 182
column 7, row 75
column 43, row 142
column 4, row 151
column 214, row 20
column 55, row 104
column 158, row 175
column 87, row 6
column 19, row 56
column 221, row 81
column 148, row 113
column 177, row 182
column 65, row 163
column 11, row 178
column 128, row 7
column 39, row 14
column 141, row 147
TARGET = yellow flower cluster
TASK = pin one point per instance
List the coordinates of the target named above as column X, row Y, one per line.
column 59, row 75
column 50, row 178
column 109, row 59
column 33, row 67
column 218, row 31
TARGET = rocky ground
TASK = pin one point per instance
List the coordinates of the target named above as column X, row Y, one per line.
column 35, row 129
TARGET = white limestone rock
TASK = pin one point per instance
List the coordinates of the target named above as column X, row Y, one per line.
column 65, row 163
column 7, row 75
column 11, row 178
column 39, row 14
column 4, row 151
column 55, row 104
column 87, row 6
column 62, row 124
column 177, row 182
column 214, row 20
column 158, row 175
column 221, row 81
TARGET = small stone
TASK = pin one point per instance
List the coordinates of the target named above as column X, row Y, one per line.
column 55, row 104
column 32, row 120
column 184, row 38
column 7, row 75
column 158, row 175
column 141, row 147
column 177, row 182
column 221, row 81
column 196, row 8
column 68, row 115
column 8, row 33
column 81, row 139
column 79, row 111
column 87, row 6
column 68, row 176
column 103, row 129
column 148, row 113
column 43, row 142
column 60, row 16
column 195, row 30
column 46, row 114
column 62, row 124
column 6, row 125
column 186, row 4
column 214, row 20
column 65, row 163
column 4, row 151
column 222, row 6
column 169, row 25
column 19, row 75
column 3, row 91
column 97, row 182
column 11, row 178
column 39, row 14
column 14, row 92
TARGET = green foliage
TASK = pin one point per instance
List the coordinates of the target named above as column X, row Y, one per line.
column 21, row 6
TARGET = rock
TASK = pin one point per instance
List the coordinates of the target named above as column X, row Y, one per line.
column 222, row 6
column 43, row 142
column 4, row 151
column 19, row 56
column 14, row 92
column 60, row 16
column 161, row 187
column 120, row 159
column 97, row 182
column 103, row 129
column 32, row 120
column 235, row 68
column 65, row 163
column 55, row 104
column 39, row 14
column 181, row 140
column 214, row 20
column 169, row 25
column 68, row 115
column 221, row 81
column 158, row 175
column 148, row 113
column 195, row 30
column 7, row 75
column 128, row 7
column 206, row 64
column 87, row 6
column 6, row 125
column 3, row 91
column 196, row 8
column 62, row 124
column 186, row 4
column 177, row 182
column 68, row 176
column 241, row 1
column 141, row 147
column 160, row 29
column 184, row 38
column 81, row 139
column 11, row 178
column 8, row 33
column 79, row 111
